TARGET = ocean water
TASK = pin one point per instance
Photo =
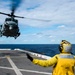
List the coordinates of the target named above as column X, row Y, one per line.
column 46, row 49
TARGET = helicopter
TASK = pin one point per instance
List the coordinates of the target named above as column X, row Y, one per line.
column 10, row 27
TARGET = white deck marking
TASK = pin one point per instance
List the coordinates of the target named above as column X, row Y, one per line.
column 2, row 57
column 6, row 68
column 14, row 66
column 36, row 71
column 46, row 73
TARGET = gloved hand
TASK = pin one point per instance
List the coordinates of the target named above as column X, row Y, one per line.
column 29, row 57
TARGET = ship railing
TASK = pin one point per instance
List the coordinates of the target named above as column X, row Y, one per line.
column 35, row 54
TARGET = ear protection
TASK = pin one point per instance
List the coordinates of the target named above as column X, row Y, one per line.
column 64, row 46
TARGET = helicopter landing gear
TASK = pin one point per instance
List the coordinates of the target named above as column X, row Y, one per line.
column 15, row 37
column 7, row 36
column 18, row 34
column 0, row 31
column 0, row 34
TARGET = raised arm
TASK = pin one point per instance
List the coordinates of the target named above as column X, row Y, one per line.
column 44, row 63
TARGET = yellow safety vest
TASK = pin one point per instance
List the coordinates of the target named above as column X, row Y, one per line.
column 63, row 64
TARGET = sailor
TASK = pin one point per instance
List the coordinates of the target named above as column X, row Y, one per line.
column 63, row 63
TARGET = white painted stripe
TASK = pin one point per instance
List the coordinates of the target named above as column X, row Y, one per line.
column 36, row 71
column 6, row 68
column 47, row 73
column 2, row 57
column 14, row 66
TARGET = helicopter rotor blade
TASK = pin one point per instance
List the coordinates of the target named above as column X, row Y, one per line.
column 18, row 16
column 4, row 14
column 37, row 19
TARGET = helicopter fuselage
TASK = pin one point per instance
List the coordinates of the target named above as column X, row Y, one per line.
column 10, row 28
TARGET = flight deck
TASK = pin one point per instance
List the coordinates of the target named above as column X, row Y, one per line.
column 14, row 62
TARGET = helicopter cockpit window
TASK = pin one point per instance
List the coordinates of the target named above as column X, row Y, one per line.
column 11, row 22
column 9, row 19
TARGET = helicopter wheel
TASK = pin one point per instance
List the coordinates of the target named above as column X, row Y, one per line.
column 0, row 34
column 7, row 36
column 18, row 34
column 15, row 37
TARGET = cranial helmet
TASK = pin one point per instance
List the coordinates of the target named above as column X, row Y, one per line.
column 65, row 46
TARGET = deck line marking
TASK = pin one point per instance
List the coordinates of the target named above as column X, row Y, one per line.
column 27, row 70
column 14, row 66
column 6, row 68
column 2, row 57
column 36, row 71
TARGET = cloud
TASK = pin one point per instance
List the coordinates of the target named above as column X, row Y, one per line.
column 60, row 13
column 62, row 26
column 56, row 11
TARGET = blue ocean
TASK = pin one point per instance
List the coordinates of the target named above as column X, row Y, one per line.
column 46, row 49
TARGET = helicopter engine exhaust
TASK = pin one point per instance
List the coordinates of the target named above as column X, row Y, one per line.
column 15, row 4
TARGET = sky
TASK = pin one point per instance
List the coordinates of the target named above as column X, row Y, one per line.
column 57, row 21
